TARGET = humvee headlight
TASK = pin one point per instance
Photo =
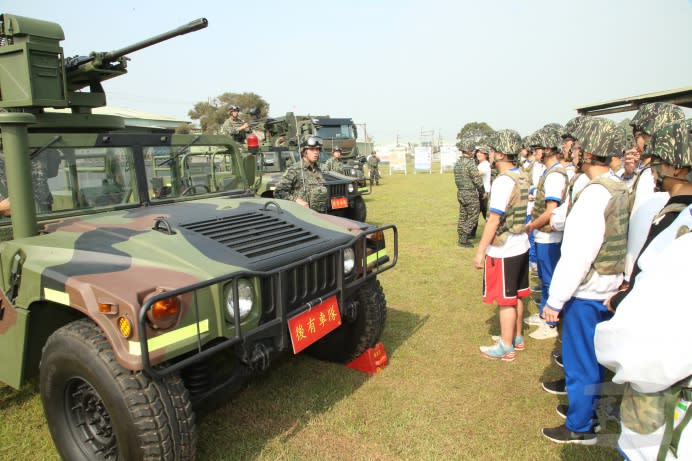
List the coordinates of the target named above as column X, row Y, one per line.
column 246, row 298
column 351, row 188
column 349, row 260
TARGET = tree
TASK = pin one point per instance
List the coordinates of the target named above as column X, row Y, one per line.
column 211, row 114
column 474, row 133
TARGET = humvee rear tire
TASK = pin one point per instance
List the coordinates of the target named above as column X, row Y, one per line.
column 98, row 410
column 359, row 211
column 353, row 337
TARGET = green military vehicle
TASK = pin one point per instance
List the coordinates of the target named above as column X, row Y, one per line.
column 280, row 149
column 141, row 277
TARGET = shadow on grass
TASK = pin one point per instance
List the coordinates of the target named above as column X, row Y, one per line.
column 10, row 397
column 275, row 407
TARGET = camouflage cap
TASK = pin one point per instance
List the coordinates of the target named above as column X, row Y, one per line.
column 672, row 144
column 602, row 138
column 506, row 141
column 650, row 117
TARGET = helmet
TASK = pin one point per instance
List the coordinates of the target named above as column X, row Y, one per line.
column 651, row 117
column 482, row 148
column 536, row 139
column 233, row 107
column 572, row 127
column 672, row 144
column 602, row 138
column 551, row 135
column 506, row 141
column 337, row 149
column 311, row 141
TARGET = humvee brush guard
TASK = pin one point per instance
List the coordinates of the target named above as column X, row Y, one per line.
column 141, row 278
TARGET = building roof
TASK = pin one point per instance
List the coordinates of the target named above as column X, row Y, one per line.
column 679, row 96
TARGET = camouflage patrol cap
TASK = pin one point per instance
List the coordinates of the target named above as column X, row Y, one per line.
column 672, row 144
column 603, row 138
column 650, row 117
column 506, row 141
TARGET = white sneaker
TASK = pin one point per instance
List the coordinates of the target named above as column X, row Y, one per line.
column 544, row 332
column 534, row 319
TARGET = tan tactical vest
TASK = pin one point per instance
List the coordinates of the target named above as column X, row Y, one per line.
column 539, row 205
column 610, row 259
column 514, row 219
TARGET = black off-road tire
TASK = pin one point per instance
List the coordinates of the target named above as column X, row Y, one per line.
column 359, row 211
column 98, row 410
column 352, row 338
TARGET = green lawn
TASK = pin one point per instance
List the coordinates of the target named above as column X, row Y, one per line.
column 437, row 399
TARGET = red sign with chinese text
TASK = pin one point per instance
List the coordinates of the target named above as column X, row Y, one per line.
column 339, row 202
column 316, row 322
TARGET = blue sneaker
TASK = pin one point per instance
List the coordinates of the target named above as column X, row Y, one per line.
column 498, row 351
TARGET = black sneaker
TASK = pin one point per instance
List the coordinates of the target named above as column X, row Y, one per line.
column 465, row 244
column 558, row 387
column 562, row 412
column 558, row 360
column 561, row 434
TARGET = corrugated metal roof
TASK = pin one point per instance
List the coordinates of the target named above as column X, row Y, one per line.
column 679, row 96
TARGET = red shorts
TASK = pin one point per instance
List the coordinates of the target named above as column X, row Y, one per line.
column 506, row 279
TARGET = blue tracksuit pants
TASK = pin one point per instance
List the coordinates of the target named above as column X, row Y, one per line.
column 547, row 255
column 583, row 373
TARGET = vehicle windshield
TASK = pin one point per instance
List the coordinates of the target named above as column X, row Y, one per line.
column 275, row 162
column 336, row 132
column 70, row 179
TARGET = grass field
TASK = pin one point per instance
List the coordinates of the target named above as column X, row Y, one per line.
column 438, row 399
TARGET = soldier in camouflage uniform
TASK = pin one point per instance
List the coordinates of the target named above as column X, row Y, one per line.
column 588, row 273
column 374, row 169
column 42, row 196
column 469, row 188
column 334, row 163
column 234, row 126
column 302, row 182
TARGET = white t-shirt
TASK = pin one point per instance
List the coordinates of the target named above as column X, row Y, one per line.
column 555, row 186
column 516, row 244
column 647, row 203
column 484, row 169
column 583, row 237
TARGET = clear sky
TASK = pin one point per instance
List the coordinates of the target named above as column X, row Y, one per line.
column 400, row 66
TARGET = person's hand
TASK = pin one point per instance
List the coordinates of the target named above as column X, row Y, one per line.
column 244, row 126
column 550, row 315
column 606, row 303
column 631, row 161
column 5, row 207
column 302, row 202
column 478, row 260
column 529, row 227
column 484, row 196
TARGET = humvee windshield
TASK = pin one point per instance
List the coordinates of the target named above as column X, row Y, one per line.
column 338, row 132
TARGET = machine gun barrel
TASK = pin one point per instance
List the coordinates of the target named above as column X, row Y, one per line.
column 192, row 26
column 73, row 63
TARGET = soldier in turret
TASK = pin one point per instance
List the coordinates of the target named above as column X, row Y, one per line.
column 334, row 163
column 302, row 182
column 234, row 126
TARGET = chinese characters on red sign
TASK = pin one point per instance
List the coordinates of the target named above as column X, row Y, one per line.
column 311, row 325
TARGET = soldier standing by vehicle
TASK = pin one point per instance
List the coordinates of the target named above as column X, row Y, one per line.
column 470, row 191
column 303, row 181
column 234, row 126
column 334, row 163
column 374, row 169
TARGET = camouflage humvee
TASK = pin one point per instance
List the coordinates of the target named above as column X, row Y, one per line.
column 148, row 279
column 280, row 149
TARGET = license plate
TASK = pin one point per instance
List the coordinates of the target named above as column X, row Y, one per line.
column 316, row 322
column 339, row 202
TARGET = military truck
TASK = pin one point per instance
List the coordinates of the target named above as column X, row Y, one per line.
column 280, row 149
column 141, row 277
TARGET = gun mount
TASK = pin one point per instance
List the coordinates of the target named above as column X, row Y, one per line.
column 34, row 73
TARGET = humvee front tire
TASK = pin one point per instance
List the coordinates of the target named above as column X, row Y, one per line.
column 356, row 335
column 359, row 211
column 98, row 410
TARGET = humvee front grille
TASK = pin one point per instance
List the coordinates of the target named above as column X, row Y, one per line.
column 253, row 234
column 307, row 281
column 337, row 190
